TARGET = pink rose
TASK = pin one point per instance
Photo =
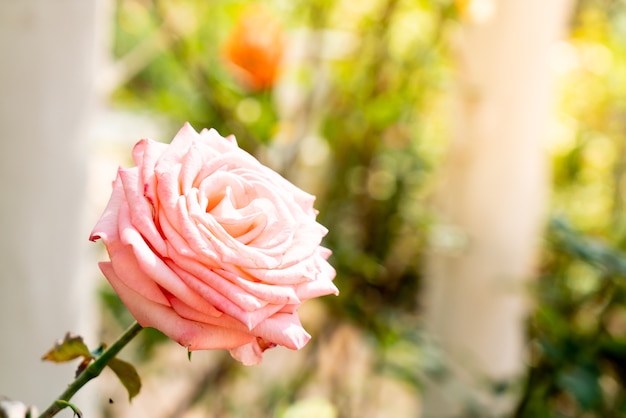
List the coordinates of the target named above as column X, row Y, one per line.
column 211, row 247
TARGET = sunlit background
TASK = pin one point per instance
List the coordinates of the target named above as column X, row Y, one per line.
column 436, row 187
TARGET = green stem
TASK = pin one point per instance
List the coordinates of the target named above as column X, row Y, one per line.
column 92, row 371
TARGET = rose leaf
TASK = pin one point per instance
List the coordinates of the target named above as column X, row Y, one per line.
column 128, row 375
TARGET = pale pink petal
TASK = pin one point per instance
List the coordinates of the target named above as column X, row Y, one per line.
column 168, row 190
column 283, row 329
column 232, row 139
column 190, row 244
column 106, row 227
column 141, row 211
column 145, row 154
column 230, row 250
column 224, row 321
column 212, row 137
column 235, row 294
column 215, row 174
column 315, row 288
column 154, row 267
column 123, row 260
column 179, row 145
column 224, row 304
column 250, row 354
column 278, row 295
column 290, row 309
column 306, row 270
column 190, row 334
column 191, row 164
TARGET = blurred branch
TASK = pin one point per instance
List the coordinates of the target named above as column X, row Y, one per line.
column 122, row 70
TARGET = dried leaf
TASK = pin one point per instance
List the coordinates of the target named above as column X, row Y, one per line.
column 82, row 366
column 70, row 348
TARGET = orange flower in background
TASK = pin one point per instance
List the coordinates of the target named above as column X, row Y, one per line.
column 254, row 49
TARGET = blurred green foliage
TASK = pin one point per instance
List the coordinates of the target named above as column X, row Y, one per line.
column 588, row 142
column 578, row 330
column 578, row 346
column 361, row 106
column 380, row 68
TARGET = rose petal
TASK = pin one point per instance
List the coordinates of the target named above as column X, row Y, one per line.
column 283, row 329
column 141, row 211
column 145, row 154
column 124, row 260
column 235, row 294
column 278, row 295
column 249, row 354
column 190, row 334
column 106, row 227
column 224, row 321
column 153, row 266
column 306, row 270
column 315, row 288
column 249, row 318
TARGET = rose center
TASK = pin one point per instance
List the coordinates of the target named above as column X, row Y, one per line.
column 244, row 223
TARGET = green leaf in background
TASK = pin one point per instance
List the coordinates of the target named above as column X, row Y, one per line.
column 583, row 384
column 70, row 348
column 128, row 376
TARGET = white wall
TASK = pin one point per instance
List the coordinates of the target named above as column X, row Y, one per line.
column 46, row 92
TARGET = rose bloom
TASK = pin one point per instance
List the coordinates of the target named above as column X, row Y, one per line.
column 211, row 247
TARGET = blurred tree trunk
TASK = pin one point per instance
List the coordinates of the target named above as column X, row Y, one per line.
column 46, row 80
column 491, row 203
